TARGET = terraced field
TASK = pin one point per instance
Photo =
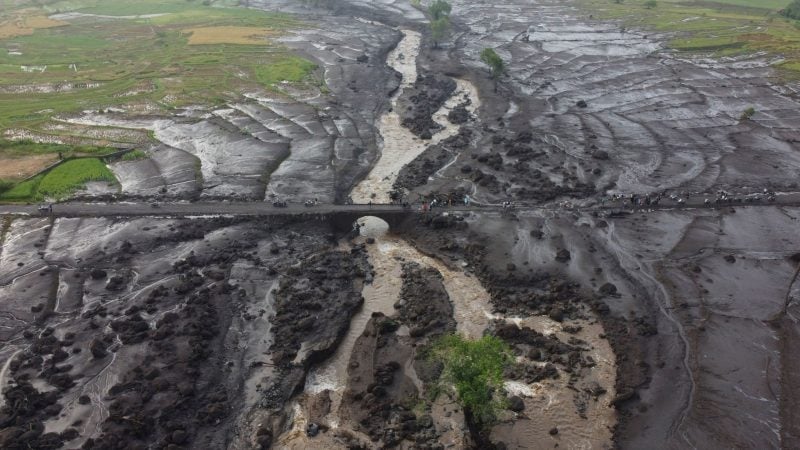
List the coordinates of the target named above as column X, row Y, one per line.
column 163, row 322
column 725, row 28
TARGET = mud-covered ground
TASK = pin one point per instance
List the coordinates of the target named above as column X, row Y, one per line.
column 671, row 328
column 157, row 332
column 704, row 296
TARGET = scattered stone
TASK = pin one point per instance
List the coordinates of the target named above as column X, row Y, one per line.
column 98, row 274
column 608, row 289
column 98, row 348
column 516, row 404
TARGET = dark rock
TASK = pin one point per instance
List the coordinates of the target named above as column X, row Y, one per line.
column 115, row 283
column 608, row 289
column 179, row 437
column 98, row 348
column 9, row 437
column 563, row 255
column 458, row 115
column 516, row 404
column 556, row 314
column 581, row 104
column 98, row 274
column 623, row 396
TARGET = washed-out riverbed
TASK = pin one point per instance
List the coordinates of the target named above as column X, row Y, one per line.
column 399, row 145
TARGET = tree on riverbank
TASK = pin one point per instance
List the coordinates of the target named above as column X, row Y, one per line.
column 475, row 370
column 496, row 65
column 439, row 11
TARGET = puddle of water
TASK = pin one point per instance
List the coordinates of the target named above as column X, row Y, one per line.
column 401, row 146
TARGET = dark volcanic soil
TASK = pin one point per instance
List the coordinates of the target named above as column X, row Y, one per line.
column 215, row 332
column 153, row 329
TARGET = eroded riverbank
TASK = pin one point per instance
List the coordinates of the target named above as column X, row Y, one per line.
column 400, row 145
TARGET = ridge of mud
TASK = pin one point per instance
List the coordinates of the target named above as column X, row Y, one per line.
column 418, row 103
column 433, row 159
column 149, row 352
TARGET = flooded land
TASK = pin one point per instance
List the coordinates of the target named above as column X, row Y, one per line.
column 301, row 201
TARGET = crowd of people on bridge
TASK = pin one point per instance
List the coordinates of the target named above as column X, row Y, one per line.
column 683, row 197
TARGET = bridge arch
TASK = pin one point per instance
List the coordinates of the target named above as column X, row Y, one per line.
column 372, row 226
column 344, row 220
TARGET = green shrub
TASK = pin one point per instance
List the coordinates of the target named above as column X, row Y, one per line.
column 747, row 113
column 474, row 368
column 496, row 64
column 792, row 11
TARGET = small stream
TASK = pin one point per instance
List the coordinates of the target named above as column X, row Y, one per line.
column 401, row 146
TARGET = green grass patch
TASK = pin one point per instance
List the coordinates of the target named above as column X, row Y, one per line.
column 24, row 191
column 706, row 44
column 134, row 155
column 25, row 147
column 60, row 182
column 758, row 4
column 292, row 69
column 121, row 61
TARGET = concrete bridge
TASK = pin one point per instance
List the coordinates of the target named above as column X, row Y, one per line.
column 342, row 216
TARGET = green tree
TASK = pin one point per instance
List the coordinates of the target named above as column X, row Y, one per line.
column 494, row 61
column 793, row 10
column 474, row 368
column 439, row 30
column 439, row 9
column 650, row 4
